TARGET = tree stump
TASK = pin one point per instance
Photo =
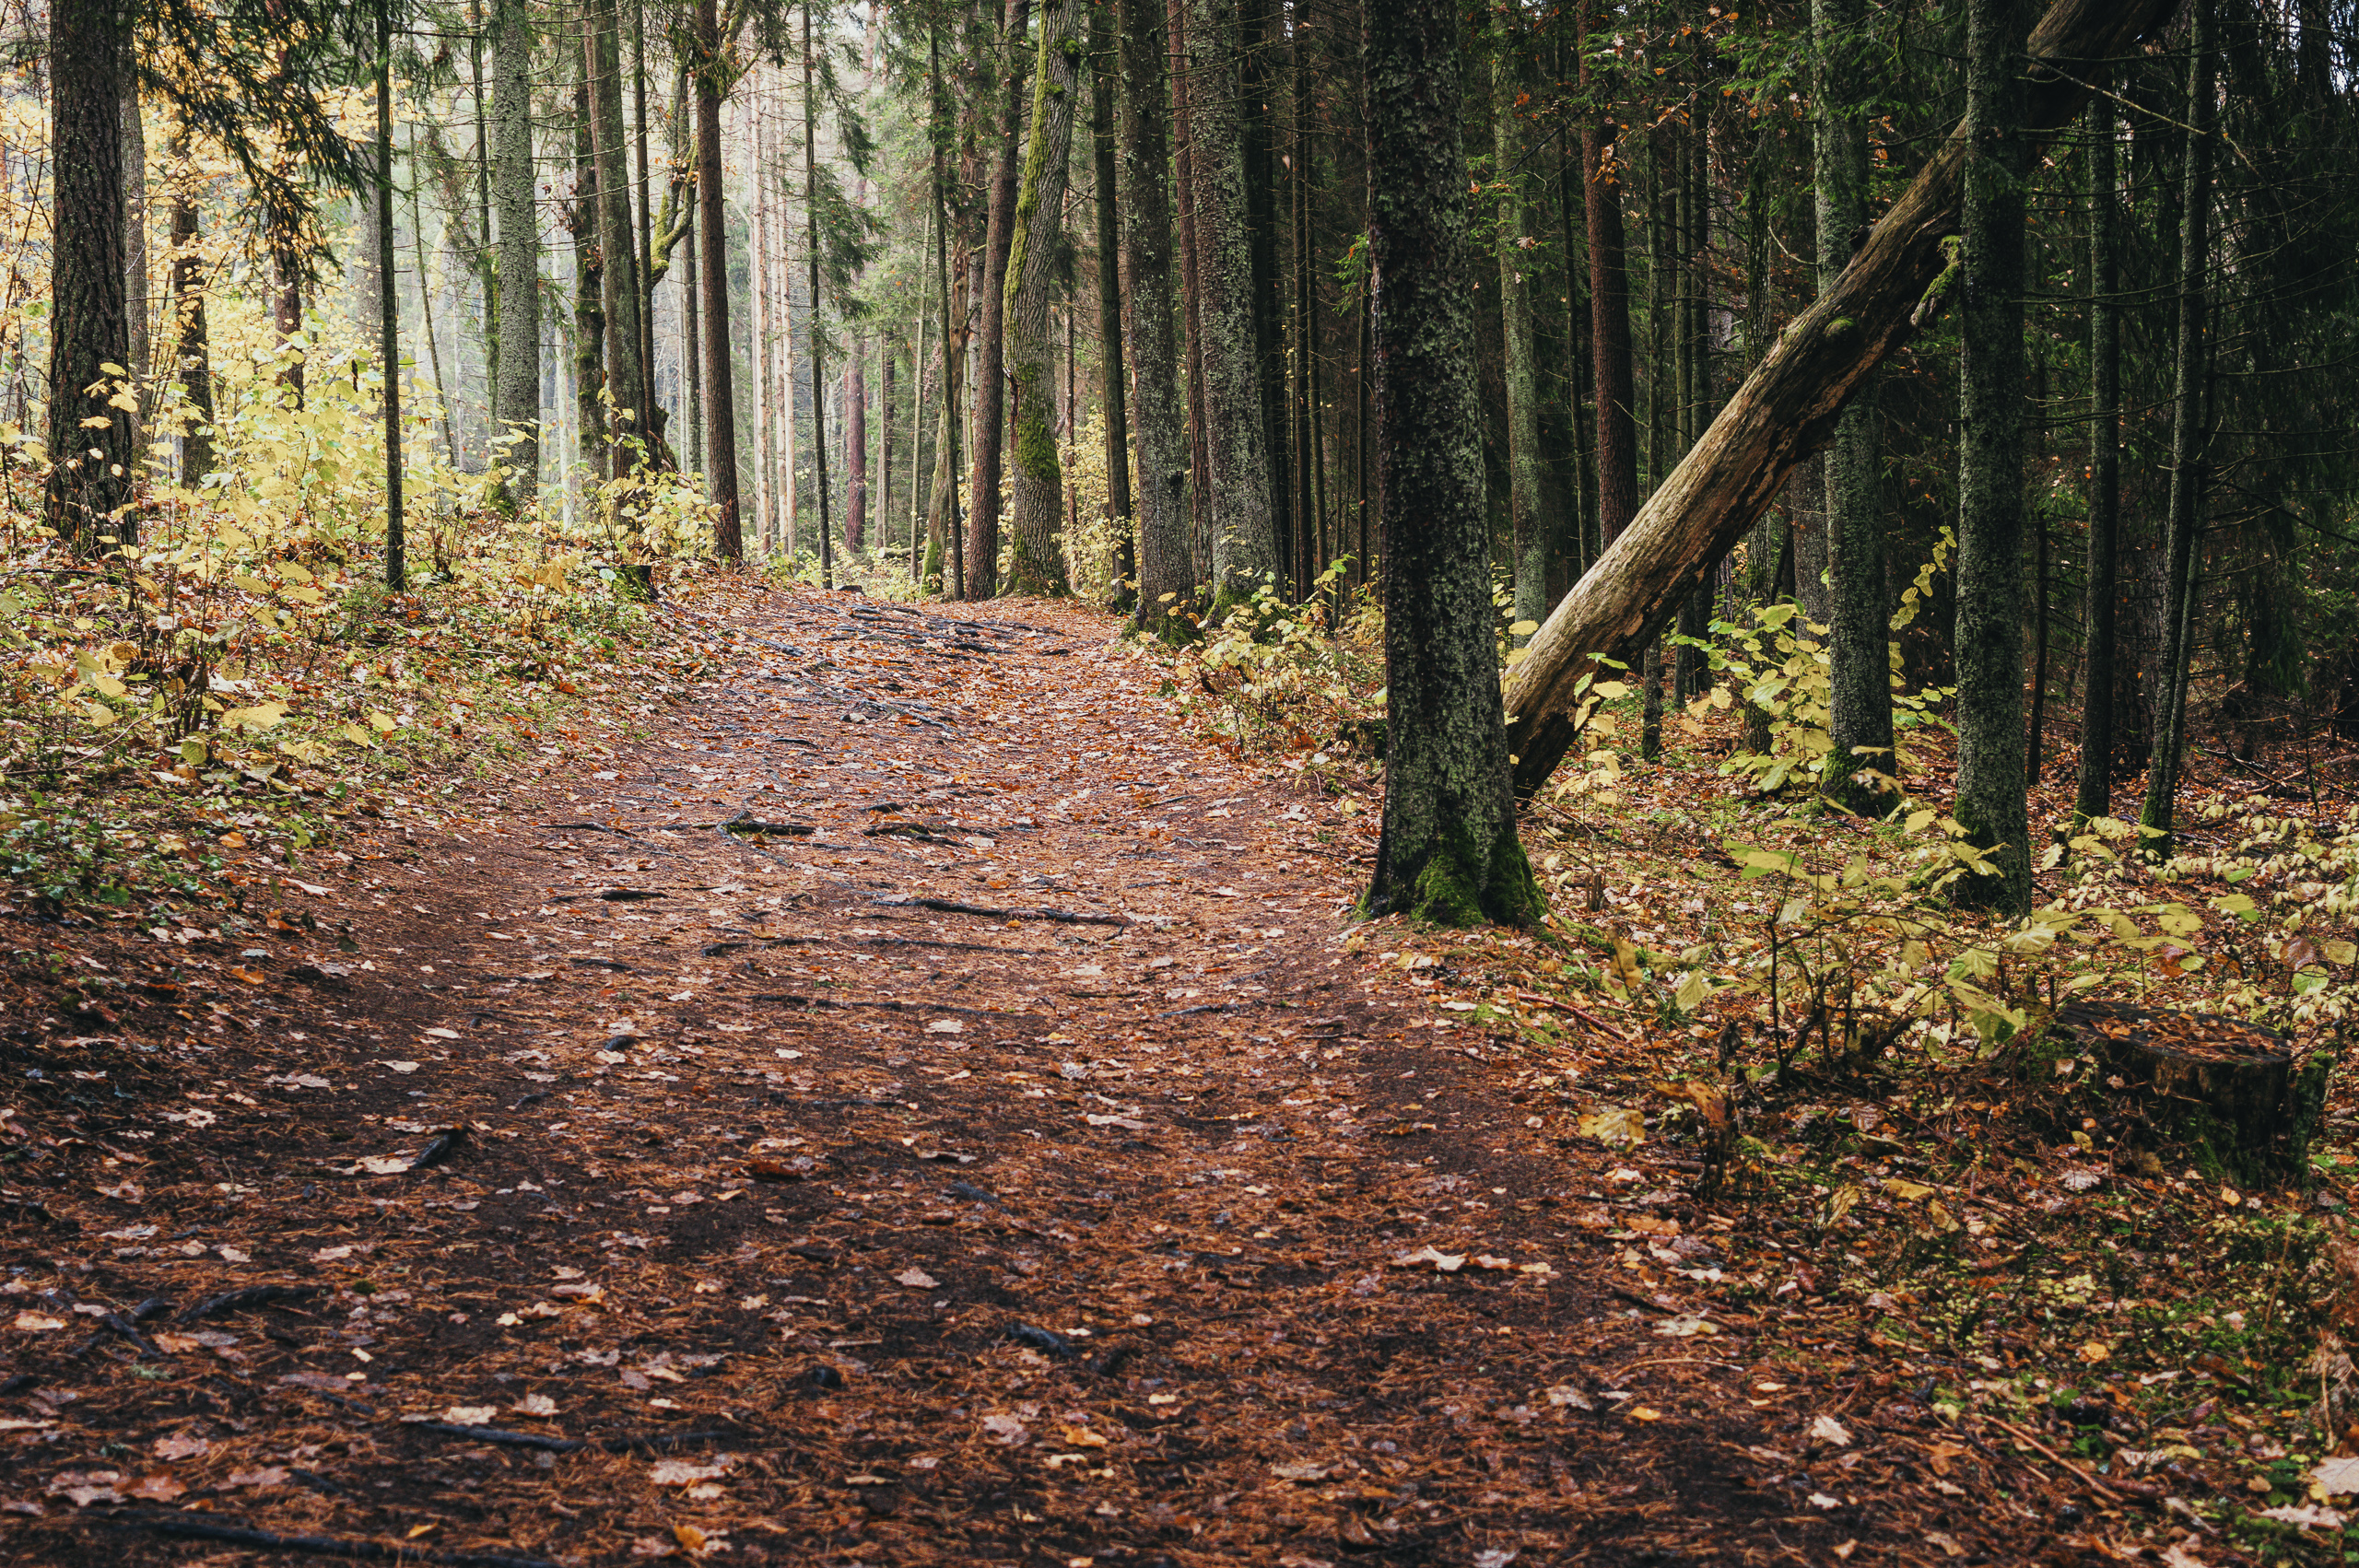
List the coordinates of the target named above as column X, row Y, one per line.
column 2222, row 1082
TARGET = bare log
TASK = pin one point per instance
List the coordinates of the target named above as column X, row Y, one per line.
column 1786, row 408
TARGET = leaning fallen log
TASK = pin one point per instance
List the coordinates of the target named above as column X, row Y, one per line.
column 1786, row 409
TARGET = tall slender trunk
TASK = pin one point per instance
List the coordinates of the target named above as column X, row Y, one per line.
column 617, row 244
column 1859, row 653
column 818, row 337
column 2191, row 375
column 1695, row 359
column 89, row 328
column 643, row 270
column 1037, row 564
column 426, row 315
column 1104, row 75
column 1609, row 296
column 942, row 512
column 1238, row 474
column 1989, row 631
column 1166, row 569
column 1255, row 100
column 287, row 309
column 516, row 414
column 1448, row 852
column 1183, row 161
column 589, row 296
column 2093, row 797
column 1534, row 530
column 388, row 301
column 1661, row 398
column 720, row 411
column 991, row 405
column 192, row 355
column 136, row 302
column 760, row 229
column 692, row 346
column 485, row 261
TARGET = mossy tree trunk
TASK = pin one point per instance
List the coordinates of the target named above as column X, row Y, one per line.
column 516, row 397
column 1167, row 573
column 618, row 242
column 1788, row 407
column 1534, row 529
column 2093, row 797
column 991, row 387
column 1105, row 72
column 1990, row 626
column 581, row 217
column 712, row 256
column 1037, row 564
column 1859, row 650
column 88, row 325
column 1448, row 852
column 2189, row 375
column 1236, row 450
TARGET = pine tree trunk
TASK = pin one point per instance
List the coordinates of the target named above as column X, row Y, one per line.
column 1859, row 650
column 1257, row 45
column 1105, row 70
column 1165, row 569
column 1037, row 564
column 1236, row 472
column 2190, row 374
column 517, row 397
column 134, row 250
column 1448, row 852
column 1989, row 634
column 1696, row 381
column 817, row 338
column 192, row 352
column 2095, row 795
column 990, row 392
column 1183, row 168
column 581, row 215
column 286, row 311
column 389, row 347
column 1534, row 529
column 1609, row 296
column 88, row 326
column 1788, row 405
column 619, row 271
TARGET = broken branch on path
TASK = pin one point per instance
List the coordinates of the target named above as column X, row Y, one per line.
column 950, row 907
column 324, row 1546
column 1786, row 408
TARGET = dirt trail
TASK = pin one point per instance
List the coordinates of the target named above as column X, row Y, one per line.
column 985, row 1150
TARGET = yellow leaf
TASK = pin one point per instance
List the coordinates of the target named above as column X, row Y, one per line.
column 98, row 422
column 383, row 723
column 1614, row 1123
column 261, row 715
column 357, row 736
column 1523, row 628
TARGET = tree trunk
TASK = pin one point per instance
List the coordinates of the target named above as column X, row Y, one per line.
column 1037, row 564
column 516, row 414
column 619, row 271
column 192, row 355
column 1237, row 474
column 1256, row 30
column 1534, row 529
column 1103, row 77
column 134, row 250
column 1183, row 168
column 89, row 328
column 1859, row 650
column 589, row 295
column 991, row 405
column 389, row 344
column 1165, row 569
column 1448, row 852
column 286, row 311
column 1609, row 298
column 1989, row 634
column 643, row 256
column 1788, row 407
column 1695, row 379
column 855, row 379
column 817, row 338
column 2095, row 795
column 2190, row 374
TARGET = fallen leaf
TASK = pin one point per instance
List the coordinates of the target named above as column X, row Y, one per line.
column 1442, row 1262
column 180, row 1447
column 534, row 1405
column 2336, row 1478
column 1123, row 1121
column 332, row 1254
column 1613, row 1125
column 1302, row 1469
column 686, row 1472
column 269, row 1475
column 916, row 1278
column 1005, row 1428
column 2306, row 1514
column 1684, row 1328
column 34, row 1323
column 945, row 1026
column 1827, row 1429
column 471, row 1415
column 160, row 1486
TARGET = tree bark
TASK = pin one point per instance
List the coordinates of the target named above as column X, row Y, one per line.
column 817, row 338
column 1104, row 76
column 1534, row 530
column 618, row 242
column 2093, row 797
column 1183, row 168
column 1788, row 407
column 1448, row 852
column 134, row 250
column 192, row 353
column 1859, row 650
column 2190, row 374
column 516, row 414
column 88, row 330
column 1165, row 569
column 991, row 405
column 389, row 344
column 1989, row 635
column 1037, row 563
column 589, row 294
column 1236, row 472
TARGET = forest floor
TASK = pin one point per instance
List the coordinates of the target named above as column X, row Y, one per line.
column 908, row 1098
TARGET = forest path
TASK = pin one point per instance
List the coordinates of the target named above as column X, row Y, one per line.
column 999, row 1157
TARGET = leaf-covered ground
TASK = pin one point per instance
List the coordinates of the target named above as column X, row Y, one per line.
column 885, row 1090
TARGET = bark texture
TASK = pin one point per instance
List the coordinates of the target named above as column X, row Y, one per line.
column 617, row 244
column 516, row 399
column 1165, row 570
column 1860, row 648
column 1237, row 446
column 990, row 403
column 712, row 256
column 134, row 244
column 1037, row 564
column 1609, row 296
column 1786, row 408
column 192, row 352
column 2094, row 796
column 1104, row 75
column 1448, row 852
column 1534, row 529
column 89, row 441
